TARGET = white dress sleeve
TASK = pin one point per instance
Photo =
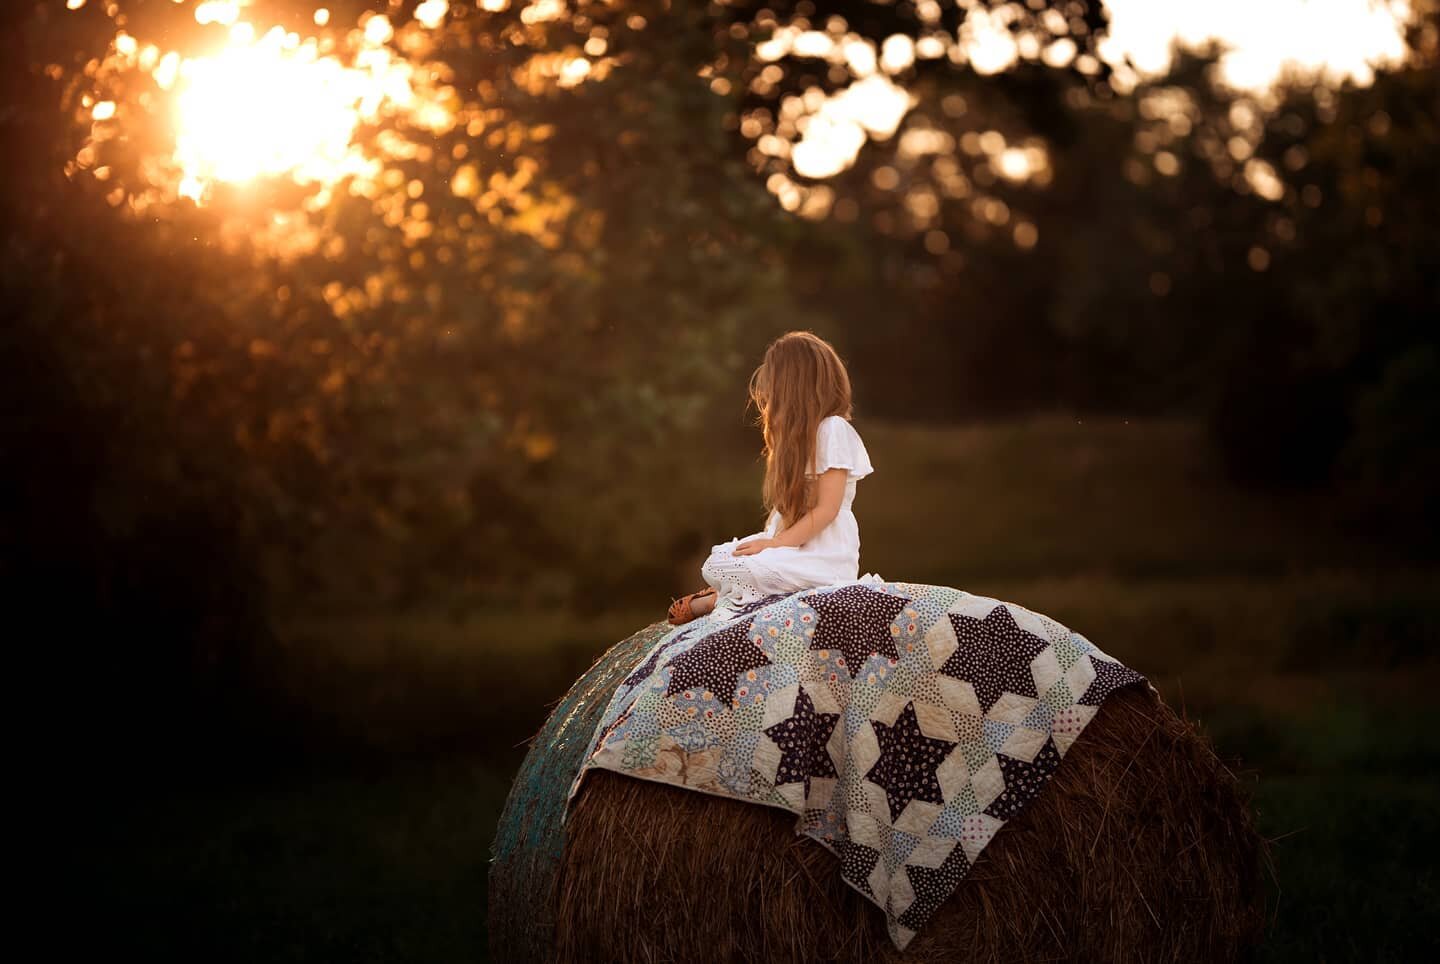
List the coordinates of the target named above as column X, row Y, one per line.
column 839, row 446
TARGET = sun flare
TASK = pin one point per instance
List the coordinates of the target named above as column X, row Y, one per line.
column 265, row 107
column 276, row 104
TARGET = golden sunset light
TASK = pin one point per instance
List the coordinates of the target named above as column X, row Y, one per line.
column 272, row 103
column 271, row 106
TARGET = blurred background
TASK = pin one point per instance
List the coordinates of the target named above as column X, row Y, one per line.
column 371, row 368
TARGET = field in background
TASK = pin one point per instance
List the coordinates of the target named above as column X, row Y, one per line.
column 1306, row 652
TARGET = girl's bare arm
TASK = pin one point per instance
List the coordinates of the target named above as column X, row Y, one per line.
column 829, row 491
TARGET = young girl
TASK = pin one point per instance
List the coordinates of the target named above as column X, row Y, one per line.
column 813, row 458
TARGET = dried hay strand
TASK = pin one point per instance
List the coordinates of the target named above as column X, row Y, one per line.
column 1140, row 848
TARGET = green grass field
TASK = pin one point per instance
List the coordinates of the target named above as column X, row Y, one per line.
column 1304, row 650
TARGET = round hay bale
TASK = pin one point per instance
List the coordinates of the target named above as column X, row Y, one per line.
column 1140, row 848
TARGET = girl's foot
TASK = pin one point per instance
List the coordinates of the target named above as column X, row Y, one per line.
column 703, row 603
column 691, row 606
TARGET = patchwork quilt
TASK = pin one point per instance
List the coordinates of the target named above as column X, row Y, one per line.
column 901, row 723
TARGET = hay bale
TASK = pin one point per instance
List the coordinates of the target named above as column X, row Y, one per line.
column 1141, row 848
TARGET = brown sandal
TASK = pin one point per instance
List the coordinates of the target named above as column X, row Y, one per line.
column 680, row 612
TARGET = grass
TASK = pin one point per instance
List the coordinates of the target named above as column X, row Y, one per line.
column 1061, row 497
column 1355, row 879
column 1347, row 790
column 1306, row 651
column 386, row 868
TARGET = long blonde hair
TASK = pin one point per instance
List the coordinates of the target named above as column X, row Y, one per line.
column 801, row 382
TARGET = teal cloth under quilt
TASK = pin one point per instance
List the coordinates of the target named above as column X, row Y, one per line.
column 529, row 841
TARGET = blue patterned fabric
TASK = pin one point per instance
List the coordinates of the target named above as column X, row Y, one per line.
column 903, row 724
column 529, row 841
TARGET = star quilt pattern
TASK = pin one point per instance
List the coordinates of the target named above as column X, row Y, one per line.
column 903, row 724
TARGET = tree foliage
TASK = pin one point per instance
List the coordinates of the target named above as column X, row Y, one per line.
column 537, row 288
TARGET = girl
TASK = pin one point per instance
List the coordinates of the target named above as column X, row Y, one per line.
column 813, row 458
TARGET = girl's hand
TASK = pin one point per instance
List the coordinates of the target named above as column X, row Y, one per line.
column 752, row 546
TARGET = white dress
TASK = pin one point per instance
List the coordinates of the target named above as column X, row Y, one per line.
column 829, row 557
